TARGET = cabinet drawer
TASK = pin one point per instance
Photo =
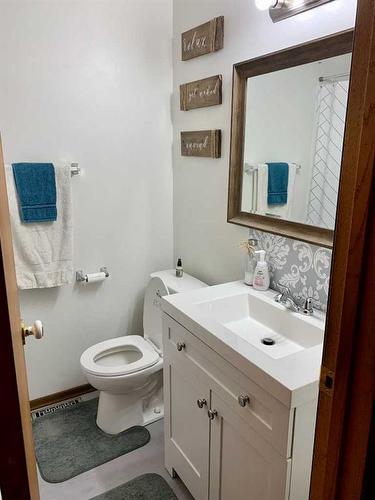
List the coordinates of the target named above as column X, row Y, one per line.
column 264, row 413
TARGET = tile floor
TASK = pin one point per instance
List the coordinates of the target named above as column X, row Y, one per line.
column 149, row 458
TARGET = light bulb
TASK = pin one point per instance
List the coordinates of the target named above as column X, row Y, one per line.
column 265, row 4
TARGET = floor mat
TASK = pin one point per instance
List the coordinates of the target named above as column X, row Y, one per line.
column 69, row 442
column 145, row 487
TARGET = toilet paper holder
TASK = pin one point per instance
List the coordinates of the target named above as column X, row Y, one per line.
column 85, row 277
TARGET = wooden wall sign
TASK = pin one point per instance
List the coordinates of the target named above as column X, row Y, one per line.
column 201, row 93
column 202, row 143
column 203, row 39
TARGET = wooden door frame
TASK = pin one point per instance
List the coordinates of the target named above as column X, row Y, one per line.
column 18, row 475
column 348, row 368
column 13, row 470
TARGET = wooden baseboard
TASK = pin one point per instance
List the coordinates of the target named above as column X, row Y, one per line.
column 57, row 397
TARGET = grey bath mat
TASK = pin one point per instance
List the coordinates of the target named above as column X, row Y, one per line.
column 69, row 442
column 145, row 487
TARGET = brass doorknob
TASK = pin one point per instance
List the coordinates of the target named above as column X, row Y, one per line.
column 36, row 330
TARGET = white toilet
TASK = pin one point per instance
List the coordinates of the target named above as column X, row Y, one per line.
column 128, row 370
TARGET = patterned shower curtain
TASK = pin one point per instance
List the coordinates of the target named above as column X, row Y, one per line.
column 331, row 103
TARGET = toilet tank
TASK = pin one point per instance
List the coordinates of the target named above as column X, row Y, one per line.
column 163, row 283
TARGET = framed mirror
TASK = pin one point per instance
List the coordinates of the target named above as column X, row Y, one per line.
column 287, row 135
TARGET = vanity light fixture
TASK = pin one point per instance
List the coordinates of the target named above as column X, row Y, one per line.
column 265, row 4
column 281, row 9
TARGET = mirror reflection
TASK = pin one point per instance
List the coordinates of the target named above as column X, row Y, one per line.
column 295, row 122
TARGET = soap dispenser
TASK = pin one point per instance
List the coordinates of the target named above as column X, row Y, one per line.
column 261, row 275
column 179, row 269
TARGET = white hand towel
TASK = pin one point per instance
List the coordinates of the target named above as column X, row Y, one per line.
column 43, row 251
column 279, row 211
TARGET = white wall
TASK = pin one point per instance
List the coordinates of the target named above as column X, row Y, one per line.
column 91, row 82
column 202, row 236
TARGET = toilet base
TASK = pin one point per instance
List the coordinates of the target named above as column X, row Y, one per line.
column 118, row 412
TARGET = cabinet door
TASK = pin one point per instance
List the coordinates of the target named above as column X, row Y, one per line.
column 242, row 465
column 187, row 426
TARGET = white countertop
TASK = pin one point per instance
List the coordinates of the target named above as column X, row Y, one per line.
column 293, row 379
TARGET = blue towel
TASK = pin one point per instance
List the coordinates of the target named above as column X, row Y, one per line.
column 278, row 175
column 36, row 190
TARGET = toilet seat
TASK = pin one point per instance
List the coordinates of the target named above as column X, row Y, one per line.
column 89, row 359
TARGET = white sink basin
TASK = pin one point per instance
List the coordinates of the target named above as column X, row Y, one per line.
column 233, row 319
column 255, row 319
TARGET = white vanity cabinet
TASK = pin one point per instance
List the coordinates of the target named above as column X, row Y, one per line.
column 225, row 436
column 188, row 427
column 242, row 465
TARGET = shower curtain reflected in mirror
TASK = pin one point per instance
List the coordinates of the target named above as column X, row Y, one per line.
column 331, row 104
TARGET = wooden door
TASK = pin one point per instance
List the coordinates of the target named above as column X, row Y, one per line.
column 18, row 475
column 347, row 387
column 186, row 425
column 242, row 465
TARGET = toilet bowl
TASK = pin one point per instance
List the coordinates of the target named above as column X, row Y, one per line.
column 128, row 370
column 125, row 370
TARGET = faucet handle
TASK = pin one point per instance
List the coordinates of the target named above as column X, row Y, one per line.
column 282, row 288
column 308, row 306
column 283, row 291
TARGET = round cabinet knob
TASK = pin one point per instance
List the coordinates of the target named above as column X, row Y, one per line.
column 180, row 346
column 201, row 403
column 212, row 414
column 243, row 400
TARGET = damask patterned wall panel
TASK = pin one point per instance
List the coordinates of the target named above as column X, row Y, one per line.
column 302, row 267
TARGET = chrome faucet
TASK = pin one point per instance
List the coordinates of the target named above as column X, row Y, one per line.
column 286, row 298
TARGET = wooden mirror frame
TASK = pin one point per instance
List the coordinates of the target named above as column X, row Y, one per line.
column 316, row 50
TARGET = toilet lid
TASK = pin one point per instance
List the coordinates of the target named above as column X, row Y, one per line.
column 90, row 359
